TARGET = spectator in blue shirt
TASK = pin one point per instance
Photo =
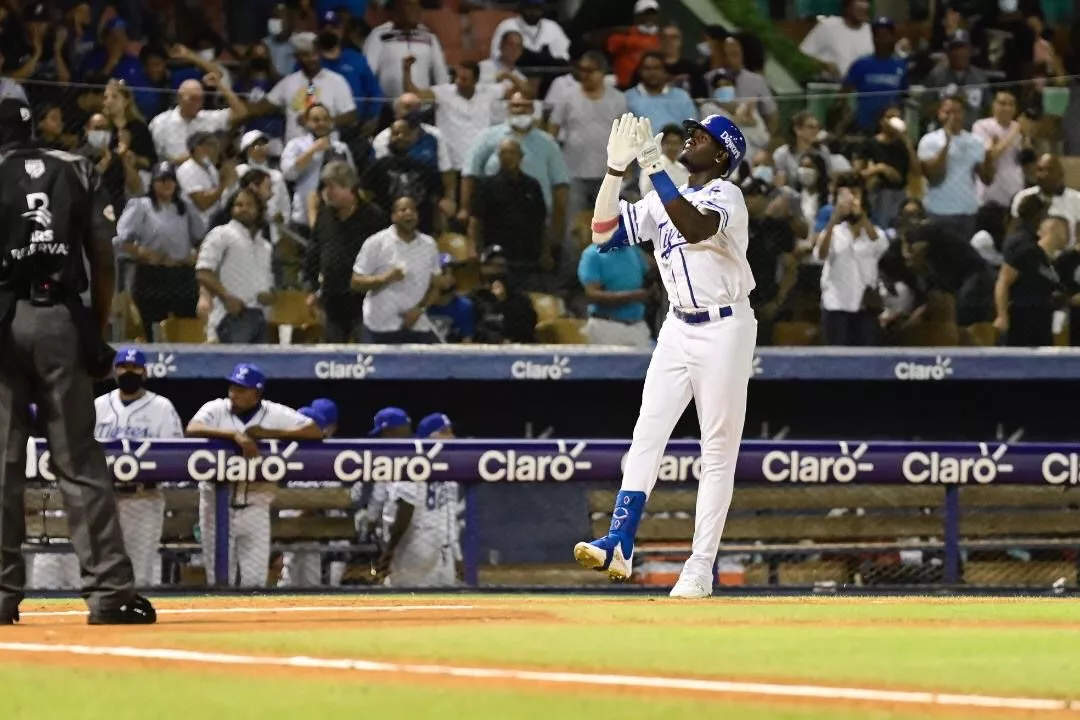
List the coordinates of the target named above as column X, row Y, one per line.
column 112, row 61
column 257, row 79
column 157, row 97
column 654, row 99
column 453, row 315
column 350, row 64
column 615, row 288
column 880, row 79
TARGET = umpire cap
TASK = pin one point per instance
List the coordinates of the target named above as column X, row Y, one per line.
column 16, row 121
column 727, row 134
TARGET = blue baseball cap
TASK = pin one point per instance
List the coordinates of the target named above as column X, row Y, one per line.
column 130, row 356
column 432, row 424
column 247, row 375
column 389, row 417
column 317, row 417
column 327, row 408
column 116, row 23
column 446, row 259
column 727, row 134
column 329, row 18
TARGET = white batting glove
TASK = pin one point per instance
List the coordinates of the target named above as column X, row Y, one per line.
column 650, row 158
column 623, row 143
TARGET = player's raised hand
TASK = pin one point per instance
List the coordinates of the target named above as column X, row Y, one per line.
column 650, row 158
column 623, row 143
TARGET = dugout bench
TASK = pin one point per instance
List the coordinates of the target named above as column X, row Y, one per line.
column 865, row 535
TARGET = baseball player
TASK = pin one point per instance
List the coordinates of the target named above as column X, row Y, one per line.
column 391, row 423
column 423, row 546
column 303, row 567
column 131, row 412
column 245, row 417
column 706, row 347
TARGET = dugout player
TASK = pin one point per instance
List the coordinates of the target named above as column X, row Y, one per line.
column 423, row 547
column 131, row 412
column 244, row 417
column 391, row 423
column 54, row 212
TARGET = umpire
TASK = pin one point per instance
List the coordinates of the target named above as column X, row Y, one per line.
column 53, row 211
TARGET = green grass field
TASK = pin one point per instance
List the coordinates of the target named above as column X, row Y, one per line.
column 1014, row 648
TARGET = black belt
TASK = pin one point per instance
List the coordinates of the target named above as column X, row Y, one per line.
column 45, row 293
column 700, row 317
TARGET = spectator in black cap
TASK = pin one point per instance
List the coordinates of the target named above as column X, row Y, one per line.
column 959, row 78
column 160, row 232
column 504, row 314
column 35, row 54
column 880, row 79
column 198, row 176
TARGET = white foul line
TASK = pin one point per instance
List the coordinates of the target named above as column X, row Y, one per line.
column 567, row 678
column 266, row 610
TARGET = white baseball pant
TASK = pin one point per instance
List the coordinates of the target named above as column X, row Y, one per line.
column 142, row 518
column 249, row 536
column 711, row 363
column 422, row 568
column 301, row 568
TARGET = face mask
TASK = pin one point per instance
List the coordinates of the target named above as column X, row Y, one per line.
column 328, row 41
column 763, row 172
column 275, row 26
column 725, row 94
column 806, row 176
column 521, row 122
column 98, row 138
column 208, row 54
column 648, row 29
column 129, row 382
column 704, row 49
column 1008, row 6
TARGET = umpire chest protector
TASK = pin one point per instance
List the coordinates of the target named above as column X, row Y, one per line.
column 49, row 206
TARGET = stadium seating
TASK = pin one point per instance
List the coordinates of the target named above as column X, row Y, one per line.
column 183, row 330
column 561, row 331
column 547, row 307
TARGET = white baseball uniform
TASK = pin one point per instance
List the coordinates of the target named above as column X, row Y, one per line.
column 712, row 362
column 249, row 517
column 142, row 508
column 427, row 552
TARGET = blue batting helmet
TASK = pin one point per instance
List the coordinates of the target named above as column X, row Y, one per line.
column 727, row 134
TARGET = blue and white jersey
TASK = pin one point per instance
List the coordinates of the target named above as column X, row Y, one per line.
column 700, row 275
column 218, row 414
column 151, row 416
column 434, row 526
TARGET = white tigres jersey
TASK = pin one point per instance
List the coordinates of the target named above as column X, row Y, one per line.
column 151, row 416
column 218, row 414
column 712, row 272
column 434, row 525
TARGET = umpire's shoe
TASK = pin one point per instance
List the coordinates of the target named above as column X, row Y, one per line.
column 137, row 611
column 9, row 618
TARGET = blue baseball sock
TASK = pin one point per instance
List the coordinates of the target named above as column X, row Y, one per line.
column 629, row 504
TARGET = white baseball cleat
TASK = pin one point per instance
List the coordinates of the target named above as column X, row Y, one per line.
column 595, row 557
column 690, row 587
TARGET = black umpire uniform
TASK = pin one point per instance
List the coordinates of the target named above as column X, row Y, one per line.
column 53, row 210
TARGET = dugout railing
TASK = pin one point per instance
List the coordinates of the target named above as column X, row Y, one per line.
column 875, row 515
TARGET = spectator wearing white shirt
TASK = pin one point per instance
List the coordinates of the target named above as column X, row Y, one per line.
column 390, row 43
column 312, row 84
column 408, row 107
column 510, row 50
column 1064, row 202
column 234, row 266
column 850, row 248
column 398, row 268
column 173, row 129
column 198, row 176
column 1004, row 139
column 463, row 108
column 244, row 418
column 255, row 148
column 837, row 42
column 303, row 160
column 545, row 39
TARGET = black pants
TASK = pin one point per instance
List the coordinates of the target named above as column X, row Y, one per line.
column 1030, row 327
column 853, row 329
column 344, row 312
column 398, row 337
column 42, row 363
column 247, row 327
column 159, row 291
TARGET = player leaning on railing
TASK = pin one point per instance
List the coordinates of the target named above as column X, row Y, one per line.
column 705, row 350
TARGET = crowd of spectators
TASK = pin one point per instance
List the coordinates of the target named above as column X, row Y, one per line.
column 331, row 151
